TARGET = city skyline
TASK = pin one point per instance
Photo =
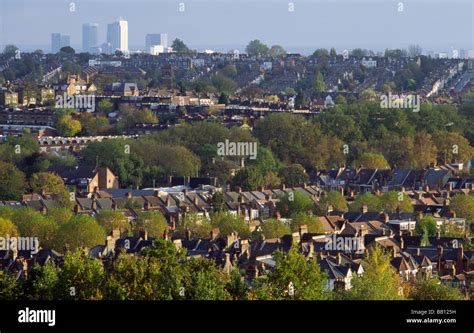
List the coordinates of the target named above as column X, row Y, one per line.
column 208, row 24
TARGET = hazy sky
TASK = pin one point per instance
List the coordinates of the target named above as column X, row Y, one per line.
column 437, row 25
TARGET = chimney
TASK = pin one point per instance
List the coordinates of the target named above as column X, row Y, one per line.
column 330, row 209
column 231, row 239
column 283, row 187
column 187, row 234
column 238, row 189
column 303, row 229
column 156, row 193
column 196, row 200
column 143, row 234
column 440, row 251
column 385, row 217
column 402, row 243
column 261, row 188
column 214, row 233
column 339, row 259
column 244, row 247
column 418, row 251
column 460, row 256
column 128, row 194
column 311, row 249
column 364, row 209
column 295, row 238
column 426, row 188
column 178, row 244
column 362, row 230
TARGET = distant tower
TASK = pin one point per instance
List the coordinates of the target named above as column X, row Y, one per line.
column 90, row 32
column 59, row 41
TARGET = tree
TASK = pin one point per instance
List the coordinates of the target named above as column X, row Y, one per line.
column 105, row 106
column 46, row 182
column 426, row 224
column 257, row 48
column 206, row 282
column 81, row 277
column 111, row 219
column 293, row 175
column 273, row 228
column 452, row 146
column 379, row 281
column 432, row 290
column 9, row 287
column 319, row 84
column 294, row 203
column 67, row 126
column 79, row 231
column 463, row 206
column 59, row 215
column 45, row 279
column 293, row 277
column 12, row 182
column 178, row 46
column 277, row 51
column 67, row 50
column 198, row 226
column 424, row 151
column 393, row 200
column 154, row 223
column 373, row 161
column 312, row 222
column 7, row 228
column 334, row 199
column 31, row 223
column 368, row 199
column 10, row 50
column 133, row 278
column 228, row 224
column 248, row 178
column 320, row 52
column 414, row 50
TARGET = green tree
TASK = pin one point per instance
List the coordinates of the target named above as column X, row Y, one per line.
column 79, row 231
column 111, row 219
column 47, row 182
column 276, row 51
column 319, row 84
column 9, row 287
column 178, row 46
column 312, row 222
column 7, row 228
column 256, row 48
column 379, row 281
column 228, row 224
column 393, row 200
column 294, row 277
column 67, row 126
column 463, row 206
column 81, row 277
column 273, row 228
column 428, row 224
column 12, row 182
column 152, row 222
column 335, row 199
column 371, row 201
column 293, row 175
column 248, row 179
column 206, row 281
column 373, row 161
column 294, row 203
column 432, row 290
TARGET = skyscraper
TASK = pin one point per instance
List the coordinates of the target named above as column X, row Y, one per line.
column 117, row 35
column 156, row 39
column 90, row 32
column 59, row 41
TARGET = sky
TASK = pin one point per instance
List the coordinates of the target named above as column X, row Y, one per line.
column 222, row 25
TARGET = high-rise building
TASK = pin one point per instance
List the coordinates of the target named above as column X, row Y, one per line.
column 59, row 41
column 156, row 39
column 90, row 33
column 117, row 35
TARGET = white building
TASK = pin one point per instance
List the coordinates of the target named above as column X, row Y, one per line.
column 117, row 35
